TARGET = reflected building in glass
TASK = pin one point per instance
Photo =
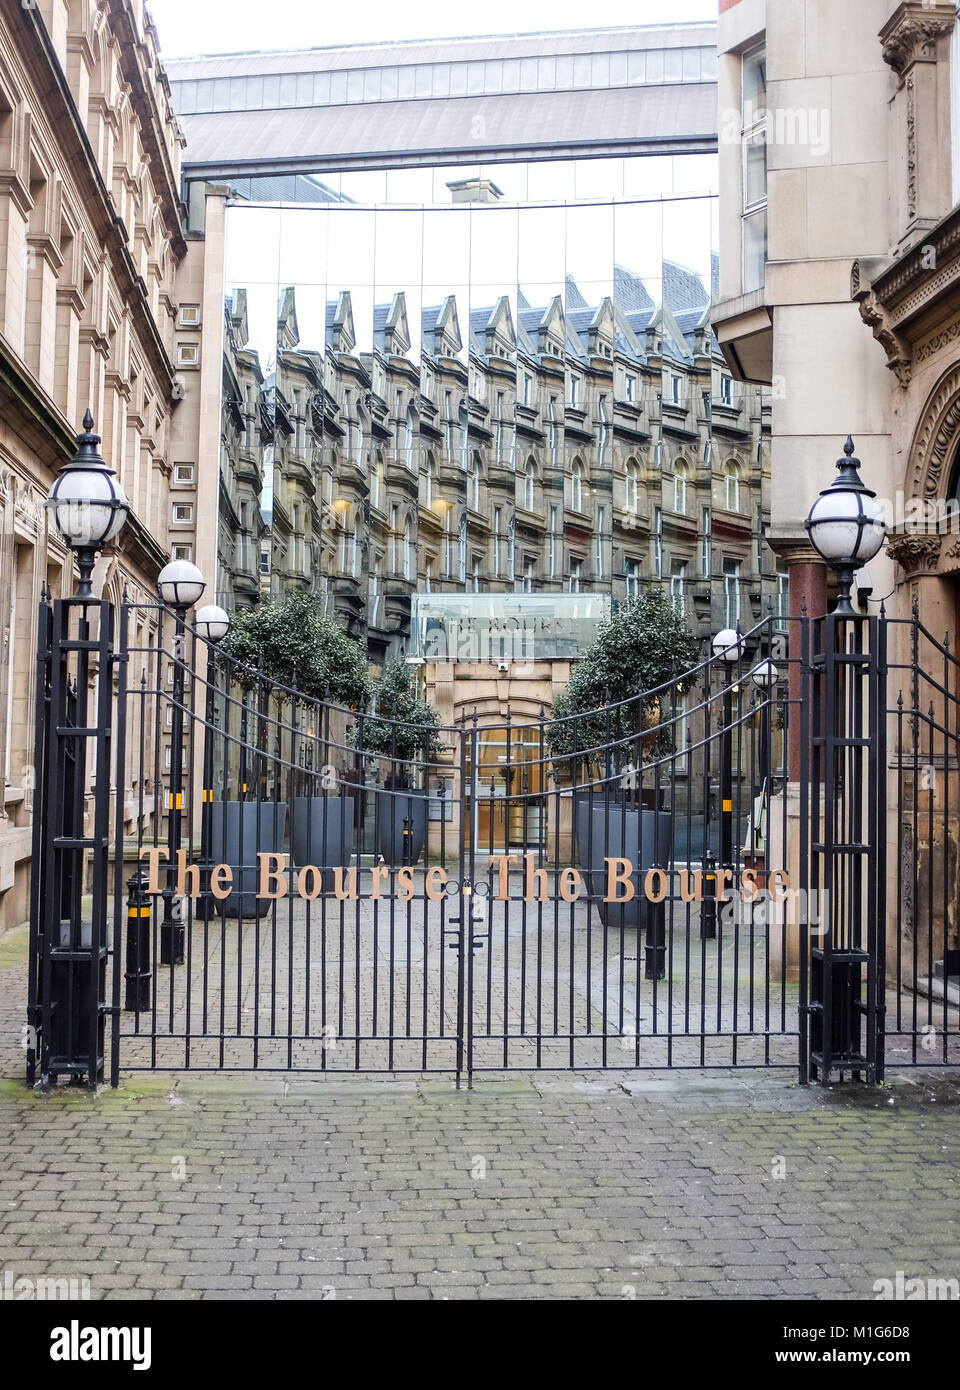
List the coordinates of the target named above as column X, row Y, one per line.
column 475, row 379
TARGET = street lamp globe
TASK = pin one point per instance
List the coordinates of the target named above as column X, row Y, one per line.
column 846, row 525
column 212, row 623
column 181, row 584
column 765, row 675
column 729, row 644
column 87, row 503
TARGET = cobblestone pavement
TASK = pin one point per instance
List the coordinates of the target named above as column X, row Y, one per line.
column 547, row 1186
column 554, row 1188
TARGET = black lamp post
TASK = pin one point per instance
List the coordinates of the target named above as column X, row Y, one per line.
column 765, row 676
column 211, row 624
column 87, row 504
column 846, row 525
column 727, row 644
column 181, row 584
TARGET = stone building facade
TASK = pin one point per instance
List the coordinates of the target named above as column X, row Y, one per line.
column 840, row 289
column 90, row 242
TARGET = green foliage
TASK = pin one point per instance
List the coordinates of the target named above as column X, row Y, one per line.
column 643, row 646
column 293, row 643
column 415, row 736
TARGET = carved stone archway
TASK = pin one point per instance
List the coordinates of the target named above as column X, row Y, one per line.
column 935, row 439
column 928, row 552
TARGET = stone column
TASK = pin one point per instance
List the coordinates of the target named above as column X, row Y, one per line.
column 808, row 592
column 920, row 183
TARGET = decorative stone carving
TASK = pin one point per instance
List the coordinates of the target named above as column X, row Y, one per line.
column 911, row 148
column 931, row 346
column 936, row 438
column 875, row 317
column 910, row 35
column 915, row 551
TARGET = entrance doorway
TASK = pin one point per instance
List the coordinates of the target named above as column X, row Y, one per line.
column 507, row 790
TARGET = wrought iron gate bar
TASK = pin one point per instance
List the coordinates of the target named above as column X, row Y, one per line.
column 695, row 877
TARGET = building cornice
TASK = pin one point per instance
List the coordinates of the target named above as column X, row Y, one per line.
column 150, row 121
column 896, row 298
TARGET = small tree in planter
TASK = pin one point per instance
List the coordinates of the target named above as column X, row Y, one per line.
column 288, row 642
column 291, row 640
column 402, row 735
column 645, row 645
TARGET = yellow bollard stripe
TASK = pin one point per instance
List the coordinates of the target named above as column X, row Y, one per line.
column 175, row 801
column 139, row 912
column 728, row 805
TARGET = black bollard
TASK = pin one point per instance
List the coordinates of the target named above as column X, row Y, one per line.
column 139, row 920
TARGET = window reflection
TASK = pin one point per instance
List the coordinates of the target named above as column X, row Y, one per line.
column 484, row 395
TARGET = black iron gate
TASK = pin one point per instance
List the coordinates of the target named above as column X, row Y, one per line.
column 231, row 876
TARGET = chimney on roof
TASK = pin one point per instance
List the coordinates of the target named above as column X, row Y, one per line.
column 475, row 191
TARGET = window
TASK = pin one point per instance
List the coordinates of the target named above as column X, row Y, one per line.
column 675, row 390
column 530, row 486
column 604, row 431
column 783, row 594
column 475, row 582
column 428, row 481
column 576, row 567
column 512, row 551
column 552, row 544
column 497, row 558
column 631, row 389
column 184, row 474
column 528, row 577
column 680, row 489
column 375, row 594
column 527, row 388
column 406, row 549
column 754, row 167
column 598, row 556
column 678, row 579
column 731, row 593
column 462, row 550
column 448, row 421
column 499, row 434
column 428, row 578
column 183, row 514
column 394, row 538
column 448, row 544
column 575, row 392
column 657, row 543
column 576, row 486
column 264, row 562
column 554, row 434
column 632, row 487
column 475, row 484
column 188, row 354
column 706, row 530
column 188, row 315
column 181, row 552
column 726, row 389
column 632, row 578
column 731, row 487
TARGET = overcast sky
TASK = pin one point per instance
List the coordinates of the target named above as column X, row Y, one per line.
column 224, row 26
